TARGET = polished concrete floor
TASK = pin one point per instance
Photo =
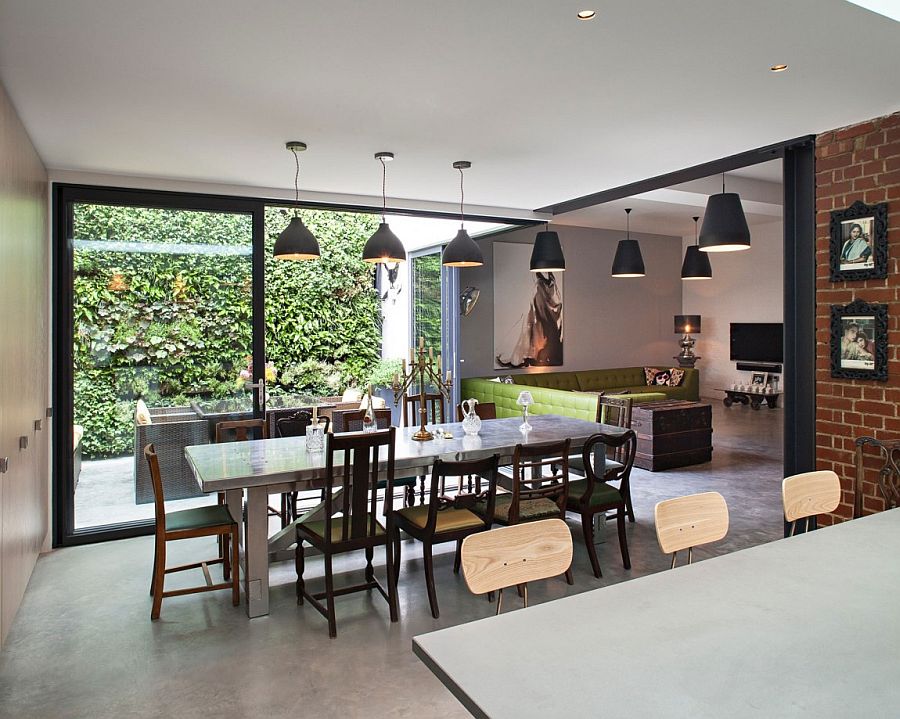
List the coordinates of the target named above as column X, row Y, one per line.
column 83, row 644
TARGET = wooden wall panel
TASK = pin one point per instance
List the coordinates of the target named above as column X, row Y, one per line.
column 24, row 357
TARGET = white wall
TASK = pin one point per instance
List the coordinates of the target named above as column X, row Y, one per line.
column 607, row 322
column 746, row 286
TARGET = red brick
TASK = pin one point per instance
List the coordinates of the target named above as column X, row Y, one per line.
column 883, row 409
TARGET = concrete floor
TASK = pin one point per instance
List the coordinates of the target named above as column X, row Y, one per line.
column 83, row 644
column 105, row 494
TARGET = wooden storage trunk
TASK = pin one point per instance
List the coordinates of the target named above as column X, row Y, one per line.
column 672, row 433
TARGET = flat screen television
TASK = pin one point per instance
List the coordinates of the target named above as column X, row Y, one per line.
column 757, row 341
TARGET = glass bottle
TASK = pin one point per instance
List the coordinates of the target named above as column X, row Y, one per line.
column 471, row 421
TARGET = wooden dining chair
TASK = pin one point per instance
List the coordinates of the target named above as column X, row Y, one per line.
column 485, row 410
column 351, row 518
column 295, row 424
column 513, row 556
column 213, row 520
column 434, row 414
column 352, row 421
column 688, row 522
column 434, row 409
column 444, row 519
column 616, row 412
column 808, row 494
column 243, row 430
column 533, row 495
column 594, row 495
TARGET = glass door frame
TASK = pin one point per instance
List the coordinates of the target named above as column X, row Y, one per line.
column 449, row 319
column 64, row 197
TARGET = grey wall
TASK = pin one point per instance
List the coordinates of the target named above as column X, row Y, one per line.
column 607, row 322
column 24, row 354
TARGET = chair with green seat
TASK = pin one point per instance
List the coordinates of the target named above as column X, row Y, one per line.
column 352, row 421
column 444, row 519
column 209, row 521
column 534, row 495
column 616, row 412
column 592, row 495
column 351, row 517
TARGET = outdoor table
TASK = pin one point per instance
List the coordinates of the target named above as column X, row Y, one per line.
column 272, row 466
column 805, row 626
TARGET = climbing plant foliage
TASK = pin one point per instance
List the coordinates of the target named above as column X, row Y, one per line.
column 163, row 311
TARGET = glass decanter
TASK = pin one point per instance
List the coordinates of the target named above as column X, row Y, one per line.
column 471, row 421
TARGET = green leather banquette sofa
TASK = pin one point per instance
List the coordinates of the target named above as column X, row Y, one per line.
column 571, row 393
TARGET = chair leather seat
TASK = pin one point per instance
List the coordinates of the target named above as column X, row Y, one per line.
column 577, row 464
column 214, row 515
column 448, row 520
column 528, row 508
column 603, row 494
column 317, row 527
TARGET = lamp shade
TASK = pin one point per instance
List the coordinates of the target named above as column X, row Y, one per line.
column 384, row 246
column 296, row 242
column 525, row 399
column 696, row 265
column 462, row 251
column 628, row 261
column 547, row 254
column 724, row 225
column 687, row 324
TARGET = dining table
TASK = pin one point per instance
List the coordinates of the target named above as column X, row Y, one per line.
column 259, row 468
column 805, row 626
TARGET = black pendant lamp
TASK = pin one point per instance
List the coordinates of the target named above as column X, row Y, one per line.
column 547, row 254
column 462, row 251
column 384, row 246
column 696, row 264
column 724, row 225
column 296, row 242
column 628, row 261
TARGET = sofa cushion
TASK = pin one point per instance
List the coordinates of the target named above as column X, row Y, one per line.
column 669, row 377
column 606, row 379
column 550, row 380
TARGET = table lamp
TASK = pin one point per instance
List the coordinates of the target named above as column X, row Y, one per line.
column 525, row 400
column 685, row 325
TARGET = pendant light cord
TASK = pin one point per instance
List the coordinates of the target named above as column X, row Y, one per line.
column 723, row 183
column 296, row 179
column 696, row 236
column 462, row 197
column 383, row 188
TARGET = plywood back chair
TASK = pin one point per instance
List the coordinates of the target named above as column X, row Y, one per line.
column 351, row 517
column 688, row 522
column 808, row 494
column 214, row 520
column 515, row 555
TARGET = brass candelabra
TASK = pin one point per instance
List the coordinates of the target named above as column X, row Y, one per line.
column 422, row 371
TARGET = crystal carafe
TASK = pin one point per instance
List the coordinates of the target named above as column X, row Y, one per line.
column 369, row 424
column 471, row 421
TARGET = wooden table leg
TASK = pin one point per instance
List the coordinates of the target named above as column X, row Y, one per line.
column 256, row 553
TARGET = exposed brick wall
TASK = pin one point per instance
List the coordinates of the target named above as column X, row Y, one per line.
column 860, row 162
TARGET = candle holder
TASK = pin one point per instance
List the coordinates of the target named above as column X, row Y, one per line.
column 422, row 371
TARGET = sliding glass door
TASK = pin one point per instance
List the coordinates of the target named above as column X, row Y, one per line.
column 157, row 345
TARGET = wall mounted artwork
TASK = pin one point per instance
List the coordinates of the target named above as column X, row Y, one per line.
column 528, row 311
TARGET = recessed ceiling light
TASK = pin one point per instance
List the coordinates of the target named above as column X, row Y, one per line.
column 778, row 68
column 586, row 14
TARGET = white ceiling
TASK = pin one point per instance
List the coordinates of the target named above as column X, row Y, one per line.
column 545, row 106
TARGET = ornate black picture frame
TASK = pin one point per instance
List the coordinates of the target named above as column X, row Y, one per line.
column 859, row 341
column 859, row 242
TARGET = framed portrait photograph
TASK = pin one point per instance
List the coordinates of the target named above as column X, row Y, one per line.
column 859, row 341
column 859, row 242
column 758, row 378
